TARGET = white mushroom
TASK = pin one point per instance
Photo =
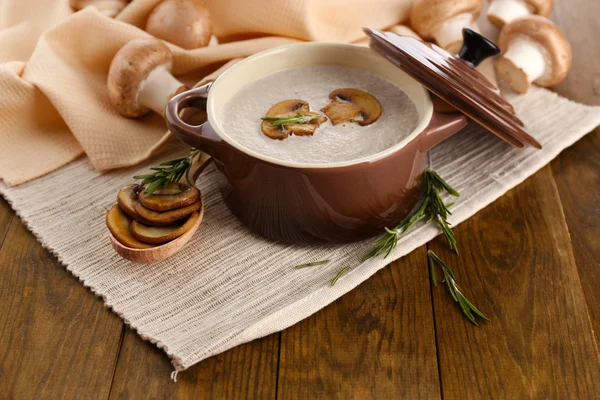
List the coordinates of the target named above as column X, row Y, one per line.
column 140, row 80
column 185, row 23
column 501, row 12
column 443, row 20
column 534, row 50
column 110, row 8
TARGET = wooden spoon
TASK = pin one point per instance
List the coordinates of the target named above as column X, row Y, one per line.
column 160, row 253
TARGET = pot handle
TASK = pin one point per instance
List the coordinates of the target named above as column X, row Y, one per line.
column 440, row 128
column 202, row 137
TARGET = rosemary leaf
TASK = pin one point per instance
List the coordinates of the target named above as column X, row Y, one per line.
column 432, row 270
column 339, row 275
column 168, row 172
column 449, row 278
column 311, row 264
column 429, row 207
column 297, row 119
column 172, row 162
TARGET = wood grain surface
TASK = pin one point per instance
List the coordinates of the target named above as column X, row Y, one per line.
column 530, row 261
column 367, row 342
column 6, row 217
column 248, row 371
column 56, row 338
column 518, row 267
column 577, row 169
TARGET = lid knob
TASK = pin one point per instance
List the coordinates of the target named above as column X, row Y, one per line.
column 476, row 47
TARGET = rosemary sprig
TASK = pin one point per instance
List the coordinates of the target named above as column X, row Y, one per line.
column 429, row 207
column 339, row 275
column 311, row 264
column 467, row 307
column 168, row 172
column 297, row 119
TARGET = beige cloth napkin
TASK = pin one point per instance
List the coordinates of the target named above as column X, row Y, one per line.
column 53, row 66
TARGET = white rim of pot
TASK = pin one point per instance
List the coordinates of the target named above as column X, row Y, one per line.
column 425, row 118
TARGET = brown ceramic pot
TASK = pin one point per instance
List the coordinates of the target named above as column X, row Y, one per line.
column 314, row 203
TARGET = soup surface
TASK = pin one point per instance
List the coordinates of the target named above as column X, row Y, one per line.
column 241, row 117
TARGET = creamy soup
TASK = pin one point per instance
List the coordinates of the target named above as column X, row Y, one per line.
column 241, row 117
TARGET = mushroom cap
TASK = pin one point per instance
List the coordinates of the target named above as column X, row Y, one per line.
column 426, row 15
column 352, row 105
column 287, row 109
column 541, row 7
column 550, row 37
column 185, row 23
column 130, row 68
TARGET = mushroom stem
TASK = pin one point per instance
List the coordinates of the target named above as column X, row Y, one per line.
column 158, row 88
column 448, row 35
column 502, row 12
column 526, row 62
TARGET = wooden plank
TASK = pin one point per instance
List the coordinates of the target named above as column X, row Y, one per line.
column 577, row 169
column 577, row 175
column 375, row 342
column 56, row 338
column 6, row 215
column 517, row 265
column 248, row 371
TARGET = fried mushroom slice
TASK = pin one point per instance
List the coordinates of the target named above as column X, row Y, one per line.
column 156, row 218
column 291, row 117
column 352, row 105
column 118, row 224
column 162, row 234
column 158, row 202
column 127, row 198
column 171, row 188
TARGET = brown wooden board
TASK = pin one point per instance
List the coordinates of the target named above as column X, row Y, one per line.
column 518, row 262
column 6, row 216
column 517, row 265
column 56, row 338
column 577, row 169
column 376, row 342
column 577, row 174
column 248, row 371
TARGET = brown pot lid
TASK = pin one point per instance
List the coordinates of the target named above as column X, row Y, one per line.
column 455, row 79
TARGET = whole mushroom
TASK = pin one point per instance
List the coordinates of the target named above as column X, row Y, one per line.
column 534, row 50
column 110, row 8
column 140, row 80
column 185, row 23
column 501, row 12
column 443, row 20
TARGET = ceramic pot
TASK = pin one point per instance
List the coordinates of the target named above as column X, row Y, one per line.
column 320, row 203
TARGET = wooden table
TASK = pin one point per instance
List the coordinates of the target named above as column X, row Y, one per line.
column 531, row 261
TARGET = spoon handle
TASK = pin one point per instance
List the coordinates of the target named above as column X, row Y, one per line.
column 199, row 164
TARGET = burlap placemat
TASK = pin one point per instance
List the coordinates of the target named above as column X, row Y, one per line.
column 229, row 286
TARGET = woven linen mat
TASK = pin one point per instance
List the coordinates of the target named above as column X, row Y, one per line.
column 229, row 286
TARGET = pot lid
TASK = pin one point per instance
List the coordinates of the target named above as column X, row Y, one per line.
column 455, row 80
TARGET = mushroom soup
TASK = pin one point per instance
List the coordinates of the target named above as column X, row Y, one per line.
column 241, row 116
